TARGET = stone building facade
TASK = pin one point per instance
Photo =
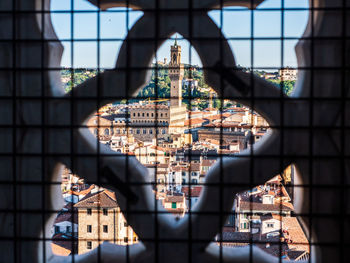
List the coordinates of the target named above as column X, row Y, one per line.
column 176, row 73
column 100, row 220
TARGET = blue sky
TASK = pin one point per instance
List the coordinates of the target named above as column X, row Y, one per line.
column 236, row 24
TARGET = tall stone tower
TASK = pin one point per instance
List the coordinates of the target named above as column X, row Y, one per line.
column 176, row 73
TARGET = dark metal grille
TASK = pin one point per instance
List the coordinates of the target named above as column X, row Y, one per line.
column 41, row 126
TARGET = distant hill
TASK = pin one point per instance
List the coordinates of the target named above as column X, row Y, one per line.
column 159, row 85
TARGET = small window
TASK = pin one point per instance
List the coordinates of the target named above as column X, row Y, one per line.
column 57, row 229
column 138, row 114
column 105, row 212
column 173, row 205
column 89, row 228
column 68, row 229
column 88, row 211
column 150, row 131
column 143, row 114
column 126, row 224
column 126, row 239
column 134, row 114
column 147, row 114
column 105, row 229
column 270, row 225
column 88, row 245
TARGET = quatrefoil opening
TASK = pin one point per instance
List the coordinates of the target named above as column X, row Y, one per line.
column 225, row 82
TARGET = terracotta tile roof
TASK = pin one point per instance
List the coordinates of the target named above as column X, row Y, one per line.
column 237, row 109
column 61, row 245
column 101, row 199
column 244, row 205
column 218, row 116
column 224, row 125
column 271, row 216
column 190, row 122
column 237, row 239
column 195, row 191
column 83, row 192
column 174, row 198
column 61, row 248
column 296, row 234
column 208, row 162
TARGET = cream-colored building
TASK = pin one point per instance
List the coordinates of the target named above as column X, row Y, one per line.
column 151, row 154
column 100, row 220
column 288, row 74
column 146, row 122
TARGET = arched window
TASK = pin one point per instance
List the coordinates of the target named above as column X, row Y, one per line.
column 106, row 132
column 174, row 59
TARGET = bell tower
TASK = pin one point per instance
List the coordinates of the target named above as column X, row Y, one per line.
column 176, row 73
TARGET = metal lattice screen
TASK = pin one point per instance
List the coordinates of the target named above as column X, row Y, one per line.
column 190, row 181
